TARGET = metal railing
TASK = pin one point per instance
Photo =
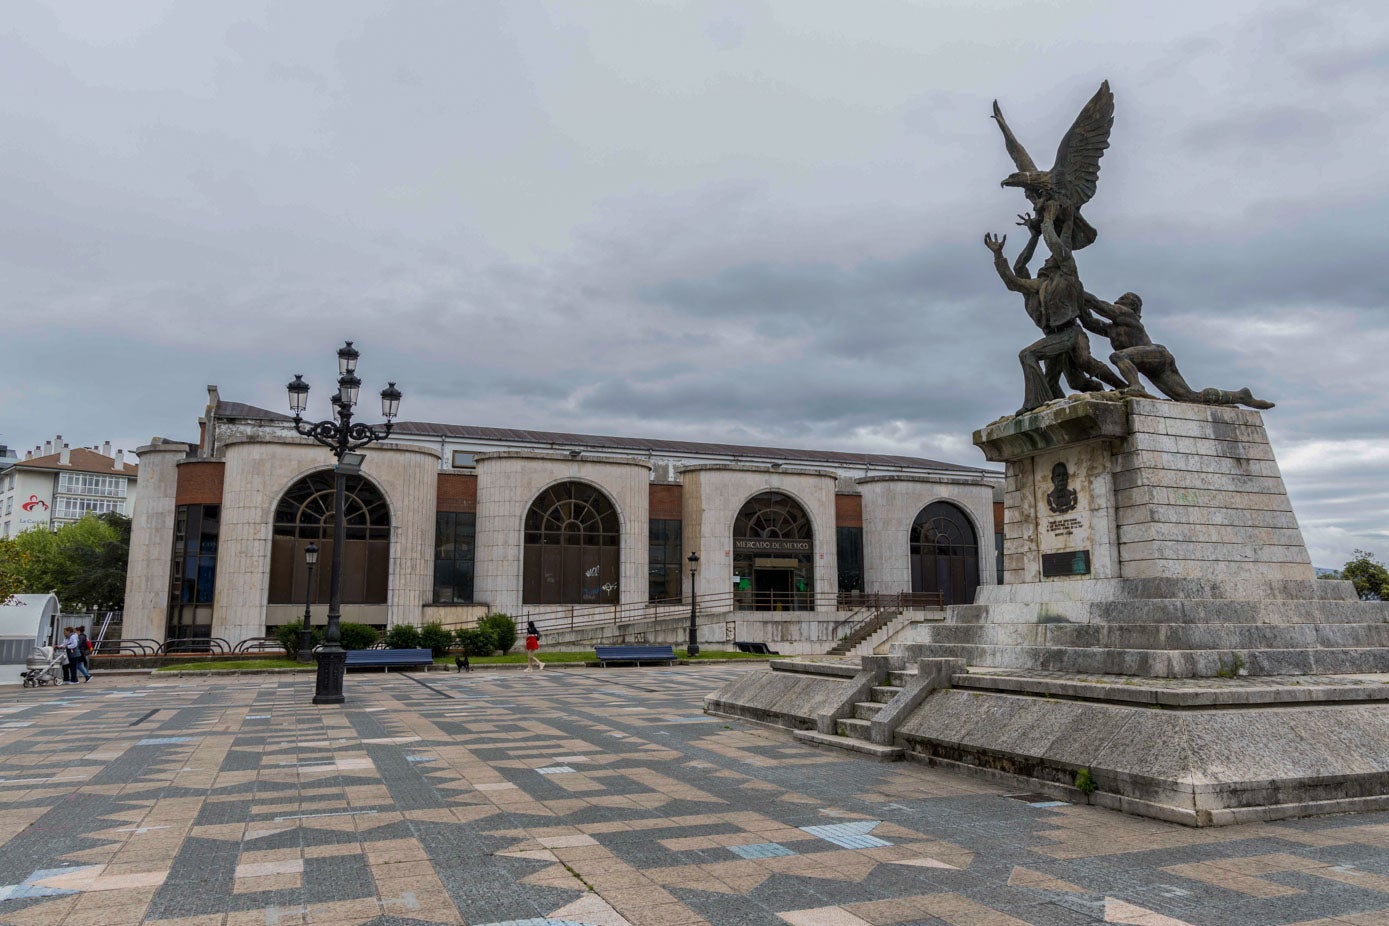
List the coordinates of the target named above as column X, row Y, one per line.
column 215, row 646
column 134, row 646
column 259, row 645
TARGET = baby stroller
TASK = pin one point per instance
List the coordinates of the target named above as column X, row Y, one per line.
column 44, row 666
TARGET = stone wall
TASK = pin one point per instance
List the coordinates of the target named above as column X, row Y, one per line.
column 152, row 542
column 715, row 493
column 508, row 483
column 258, row 472
column 891, row 504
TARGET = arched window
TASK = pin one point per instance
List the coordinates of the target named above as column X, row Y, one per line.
column 944, row 554
column 572, row 548
column 773, row 555
column 304, row 515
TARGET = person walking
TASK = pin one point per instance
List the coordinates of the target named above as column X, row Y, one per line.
column 532, row 647
column 70, row 647
column 84, row 652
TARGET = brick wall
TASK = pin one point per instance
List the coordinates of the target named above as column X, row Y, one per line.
column 666, row 502
column 457, row 492
column 199, row 483
column 848, row 511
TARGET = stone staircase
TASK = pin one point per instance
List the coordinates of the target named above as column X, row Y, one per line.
column 851, row 642
column 856, row 733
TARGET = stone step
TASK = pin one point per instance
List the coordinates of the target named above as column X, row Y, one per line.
column 856, row 729
column 1164, row 663
column 901, row 678
column 885, row 693
column 871, row 750
column 1162, row 636
column 867, row 710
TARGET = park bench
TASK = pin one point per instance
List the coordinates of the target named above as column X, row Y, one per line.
column 760, row 649
column 637, row 654
column 386, row 659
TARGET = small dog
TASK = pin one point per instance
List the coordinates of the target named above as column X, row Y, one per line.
column 462, row 663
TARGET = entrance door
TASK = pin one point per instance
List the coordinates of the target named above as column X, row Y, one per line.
column 944, row 554
column 772, row 588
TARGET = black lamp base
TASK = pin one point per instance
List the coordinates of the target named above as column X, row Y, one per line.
column 332, row 666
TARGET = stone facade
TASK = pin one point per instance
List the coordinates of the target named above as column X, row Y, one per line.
column 509, row 481
column 890, row 506
column 480, row 484
column 259, row 472
column 715, row 493
column 151, row 542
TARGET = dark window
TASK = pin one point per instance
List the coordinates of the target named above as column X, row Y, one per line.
column 848, row 543
column 665, row 563
column 773, row 555
column 454, row 534
column 194, row 574
column 571, row 547
column 304, row 515
column 944, row 554
column 998, row 551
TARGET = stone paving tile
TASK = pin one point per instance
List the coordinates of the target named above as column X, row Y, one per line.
column 599, row 797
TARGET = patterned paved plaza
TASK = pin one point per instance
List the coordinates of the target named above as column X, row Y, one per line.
column 581, row 797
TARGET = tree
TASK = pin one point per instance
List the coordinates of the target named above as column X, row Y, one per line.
column 1368, row 575
column 83, row 563
column 502, row 629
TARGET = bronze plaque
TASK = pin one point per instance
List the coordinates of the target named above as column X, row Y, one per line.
column 1069, row 563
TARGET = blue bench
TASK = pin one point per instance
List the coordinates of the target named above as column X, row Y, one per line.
column 386, row 659
column 637, row 654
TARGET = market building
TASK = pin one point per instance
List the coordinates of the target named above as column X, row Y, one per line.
column 448, row 522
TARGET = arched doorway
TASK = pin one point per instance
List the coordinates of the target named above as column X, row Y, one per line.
column 773, row 555
column 305, row 515
column 945, row 554
column 572, row 547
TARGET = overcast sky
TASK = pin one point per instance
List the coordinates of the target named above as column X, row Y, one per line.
column 728, row 221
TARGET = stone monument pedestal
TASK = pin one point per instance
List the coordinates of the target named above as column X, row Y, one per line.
column 1160, row 633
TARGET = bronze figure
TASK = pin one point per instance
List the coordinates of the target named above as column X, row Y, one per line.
column 1135, row 353
column 1054, row 302
column 1057, row 302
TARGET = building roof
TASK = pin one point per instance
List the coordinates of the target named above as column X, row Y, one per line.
column 80, row 460
column 565, row 440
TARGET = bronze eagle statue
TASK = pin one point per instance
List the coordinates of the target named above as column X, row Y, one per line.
column 1073, row 175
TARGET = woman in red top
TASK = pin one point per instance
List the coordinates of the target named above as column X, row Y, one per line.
column 532, row 646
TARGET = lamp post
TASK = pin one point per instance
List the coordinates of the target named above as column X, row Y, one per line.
column 343, row 437
column 305, row 632
column 692, row 648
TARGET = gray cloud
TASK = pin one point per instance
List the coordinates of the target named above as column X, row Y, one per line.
column 717, row 221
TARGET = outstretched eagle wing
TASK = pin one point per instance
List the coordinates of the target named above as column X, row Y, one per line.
column 1077, row 166
column 1016, row 151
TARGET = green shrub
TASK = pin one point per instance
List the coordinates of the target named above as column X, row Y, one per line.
column 403, row 636
column 502, row 629
column 434, row 636
column 358, row 636
column 1086, row 783
column 475, row 641
column 288, row 636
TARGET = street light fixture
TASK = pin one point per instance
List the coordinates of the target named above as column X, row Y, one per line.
column 305, row 632
column 692, row 648
column 342, row 437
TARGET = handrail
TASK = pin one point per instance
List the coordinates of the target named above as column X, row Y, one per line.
column 212, row 645
column 133, row 646
column 258, row 645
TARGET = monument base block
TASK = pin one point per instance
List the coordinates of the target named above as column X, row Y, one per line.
column 1160, row 637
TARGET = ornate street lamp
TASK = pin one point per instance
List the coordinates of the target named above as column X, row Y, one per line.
column 305, row 632
column 342, row 437
column 692, row 648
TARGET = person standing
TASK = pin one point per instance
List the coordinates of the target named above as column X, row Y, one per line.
column 70, row 648
column 84, row 651
column 532, row 647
